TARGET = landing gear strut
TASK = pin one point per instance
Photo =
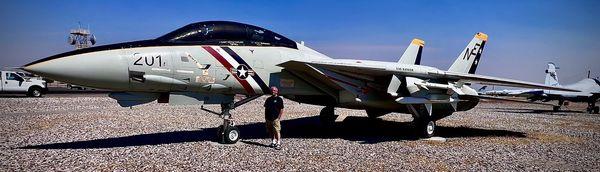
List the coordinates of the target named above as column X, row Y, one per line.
column 228, row 133
column 592, row 108
column 557, row 108
column 423, row 120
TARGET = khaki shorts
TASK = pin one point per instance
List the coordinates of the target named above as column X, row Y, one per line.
column 273, row 126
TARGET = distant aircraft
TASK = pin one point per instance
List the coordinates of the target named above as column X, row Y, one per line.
column 210, row 62
column 510, row 92
column 589, row 91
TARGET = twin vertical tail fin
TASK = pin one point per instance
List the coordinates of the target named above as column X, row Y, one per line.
column 468, row 60
column 412, row 54
column 551, row 76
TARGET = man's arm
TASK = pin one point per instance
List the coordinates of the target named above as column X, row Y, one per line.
column 281, row 108
column 280, row 114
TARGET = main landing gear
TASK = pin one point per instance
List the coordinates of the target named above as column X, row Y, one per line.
column 592, row 108
column 425, row 126
column 423, row 120
column 560, row 104
column 228, row 133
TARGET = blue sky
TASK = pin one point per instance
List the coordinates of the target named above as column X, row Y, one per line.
column 524, row 35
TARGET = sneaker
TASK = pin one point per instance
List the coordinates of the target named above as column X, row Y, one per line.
column 278, row 146
column 272, row 145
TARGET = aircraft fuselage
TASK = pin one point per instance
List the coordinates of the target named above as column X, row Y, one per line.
column 208, row 69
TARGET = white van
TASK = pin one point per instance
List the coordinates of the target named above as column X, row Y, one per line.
column 12, row 82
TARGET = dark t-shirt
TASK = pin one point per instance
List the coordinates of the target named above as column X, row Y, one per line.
column 273, row 106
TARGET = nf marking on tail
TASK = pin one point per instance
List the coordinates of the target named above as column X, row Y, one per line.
column 473, row 52
column 468, row 59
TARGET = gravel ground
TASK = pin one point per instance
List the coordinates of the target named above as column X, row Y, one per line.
column 78, row 133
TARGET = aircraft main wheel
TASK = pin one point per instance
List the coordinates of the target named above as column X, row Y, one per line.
column 327, row 115
column 429, row 129
column 596, row 110
column 426, row 128
column 228, row 135
column 556, row 108
column 592, row 110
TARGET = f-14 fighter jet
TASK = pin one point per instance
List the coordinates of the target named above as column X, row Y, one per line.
column 210, row 62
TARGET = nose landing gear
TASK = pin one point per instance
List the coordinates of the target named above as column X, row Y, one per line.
column 228, row 133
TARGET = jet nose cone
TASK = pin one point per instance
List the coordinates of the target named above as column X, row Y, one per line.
column 98, row 69
column 39, row 68
column 28, row 68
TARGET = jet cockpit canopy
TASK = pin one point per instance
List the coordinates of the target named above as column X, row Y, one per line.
column 226, row 33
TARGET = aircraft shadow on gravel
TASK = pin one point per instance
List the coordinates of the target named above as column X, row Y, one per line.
column 12, row 96
column 362, row 129
column 535, row 111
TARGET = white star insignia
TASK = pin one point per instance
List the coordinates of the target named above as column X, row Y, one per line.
column 243, row 72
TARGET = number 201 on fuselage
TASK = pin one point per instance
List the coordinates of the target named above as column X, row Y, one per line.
column 147, row 60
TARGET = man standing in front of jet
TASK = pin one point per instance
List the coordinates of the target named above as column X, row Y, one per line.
column 273, row 113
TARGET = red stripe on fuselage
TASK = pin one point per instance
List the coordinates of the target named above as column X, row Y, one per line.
column 228, row 66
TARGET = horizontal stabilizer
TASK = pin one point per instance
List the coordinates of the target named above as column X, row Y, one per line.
column 488, row 80
column 508, row 99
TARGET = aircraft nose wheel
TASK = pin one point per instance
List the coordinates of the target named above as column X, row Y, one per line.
column 228, row 133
